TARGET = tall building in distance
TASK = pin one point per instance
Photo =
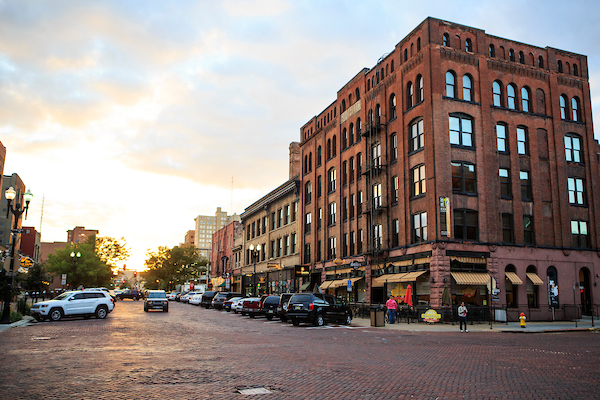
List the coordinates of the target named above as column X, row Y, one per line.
column 206, row 225
column 79, row 234
column 462, row 164
column 190, row 238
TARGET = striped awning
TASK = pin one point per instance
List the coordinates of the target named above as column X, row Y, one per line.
column 325, row 284
column 338, row 283
column 469, row 260
column 354, row 280
column 411, row 276
column 396, row 277
column 513, row 278
column 534, row 278
column 471, row 278
column 380, row 280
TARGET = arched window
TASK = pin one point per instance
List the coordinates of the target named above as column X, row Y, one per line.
column 568, row 69
column 492, row 51
column 417, row 135
column 497, row 93
column 331, row 180
column 532, row 287
column 310, row 161
column 511, row 55
column 319, row 154
column 328, row 149
column 405, row 54
column 467, row 88
column 411, row 49
column 446, row 39
column 575, row 70
column 521, row 57
column 349, row 100
column 511, row 280
column 344, row 138
column 377, row 114
column 368, row 84
column 525, row 95
column 511, row 95
column 358, row 129
column 468, row 45
column 419, row 88
column 307, row 192
column 382, row 73
column 576, row 112
column 559, row 66
column 343, row 105
column 392, row 106
column 351, row 135
column 564, row 110
column 418, row 44
column 450, row 84
column 541, row 62
column 357, row 92
column 377, row 76
column 540, row 101
column 409, row 95
column 305, row 164
column 334, row 145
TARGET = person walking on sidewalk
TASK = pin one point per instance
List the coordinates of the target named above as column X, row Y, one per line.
column 462, row 316
column 392, row 306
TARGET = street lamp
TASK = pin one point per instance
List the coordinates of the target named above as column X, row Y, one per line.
column 74, row 258
column 254, row 254
column 17, row 211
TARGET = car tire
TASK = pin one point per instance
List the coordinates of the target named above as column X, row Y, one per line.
column 348, row 319
column 38, row 318
column 251, row 315
column 270, row 317
column 319, row 321
column 283, row 319
column 55, row 314
column 101, row 312
column 243, row 314
column 295, row 322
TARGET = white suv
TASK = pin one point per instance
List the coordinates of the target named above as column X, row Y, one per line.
column 75, row 303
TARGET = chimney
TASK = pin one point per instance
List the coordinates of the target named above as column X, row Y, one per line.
column 295, row 159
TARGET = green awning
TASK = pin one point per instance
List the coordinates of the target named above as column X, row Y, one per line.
column 222, row 285
column 305, row 286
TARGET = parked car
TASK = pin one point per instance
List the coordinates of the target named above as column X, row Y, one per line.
column 178, row 295
column 132, row 294
column 237, row 305
column 251, row 306
column 195, row 299
column 318, row 309
column 283, row 305
column 228, row 303
column 219, row 299
column 269, row 307
column 74, row 303
column 172, row 295
column 186, row 297
column 156, row 300
column 99, row 289
column 207, row 299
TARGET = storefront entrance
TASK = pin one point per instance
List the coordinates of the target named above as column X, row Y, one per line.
column 585, row 291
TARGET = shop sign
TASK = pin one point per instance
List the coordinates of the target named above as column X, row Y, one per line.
column 445, row 222
column 355, row 265
column 431, row 316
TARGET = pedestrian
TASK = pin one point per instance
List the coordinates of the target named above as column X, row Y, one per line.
column 391, row 306
column 462, row 316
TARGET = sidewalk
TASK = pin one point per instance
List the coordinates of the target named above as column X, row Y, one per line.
column 23, row 322
column 511, row 327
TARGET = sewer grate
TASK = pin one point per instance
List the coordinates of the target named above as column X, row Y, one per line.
column 250, row 391
column 41, row 338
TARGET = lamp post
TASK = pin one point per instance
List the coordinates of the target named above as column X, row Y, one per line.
column 17, row 211
column 254, row 254
column 74, row 257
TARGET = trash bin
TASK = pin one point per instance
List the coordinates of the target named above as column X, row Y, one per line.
column 377, row 316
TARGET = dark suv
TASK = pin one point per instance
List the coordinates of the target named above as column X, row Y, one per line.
column 207, row 299
column 132, row 294
column 269, row 307
column 318, row 309
column 283, row 305
column 219, row 299
column 156, row 300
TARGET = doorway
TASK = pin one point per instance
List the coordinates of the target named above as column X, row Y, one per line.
column 585, row 291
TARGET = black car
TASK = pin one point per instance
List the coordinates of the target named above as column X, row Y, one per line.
column 269, row 307
column 207, row 299
column 283, row 304
column 220, row 297
column 156, row 300
column 132, row 294
column 318, row 309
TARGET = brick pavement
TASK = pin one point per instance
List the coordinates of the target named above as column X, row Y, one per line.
column 192, row 353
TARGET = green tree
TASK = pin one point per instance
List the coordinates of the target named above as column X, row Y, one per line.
column 88, row 270
column 173, row 266
column 36, row 279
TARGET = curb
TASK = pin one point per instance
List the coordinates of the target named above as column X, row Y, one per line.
column 26, row 320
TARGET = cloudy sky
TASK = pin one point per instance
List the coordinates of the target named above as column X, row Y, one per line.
column 133, row 117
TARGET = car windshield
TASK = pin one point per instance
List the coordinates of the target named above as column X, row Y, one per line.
column 156, row 295
column 301, row 297
column 62, row 296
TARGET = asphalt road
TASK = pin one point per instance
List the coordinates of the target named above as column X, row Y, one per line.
column 193, row 353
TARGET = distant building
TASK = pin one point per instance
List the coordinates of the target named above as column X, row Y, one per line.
column 222, row 260
column 30, row 243
column 80, row 234
column 190, row 238
column 206, row 225
column 6, row 223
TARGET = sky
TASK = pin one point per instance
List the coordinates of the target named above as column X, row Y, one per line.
column 134, row 117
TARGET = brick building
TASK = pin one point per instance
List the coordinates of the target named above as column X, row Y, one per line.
column 222, row 259
column 460, row 164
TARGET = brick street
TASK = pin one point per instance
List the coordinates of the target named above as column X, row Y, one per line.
column 193, row 353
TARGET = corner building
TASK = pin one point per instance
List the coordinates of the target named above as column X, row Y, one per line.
column 461, row 164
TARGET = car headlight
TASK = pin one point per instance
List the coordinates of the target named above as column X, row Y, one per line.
column 44, row 305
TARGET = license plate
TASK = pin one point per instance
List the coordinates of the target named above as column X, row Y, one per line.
column 270, row 311
column 298, row 307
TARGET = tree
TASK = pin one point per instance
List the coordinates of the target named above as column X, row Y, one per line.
column 88, row 270
column 173, row 266
column 110, row 250
column 35, row 280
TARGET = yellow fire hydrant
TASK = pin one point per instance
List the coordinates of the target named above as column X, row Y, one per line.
column 522, row 318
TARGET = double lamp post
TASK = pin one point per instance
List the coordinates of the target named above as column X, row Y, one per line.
column 254, row 253
column 17, row 210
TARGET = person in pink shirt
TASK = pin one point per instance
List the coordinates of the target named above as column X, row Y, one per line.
column 391, row 306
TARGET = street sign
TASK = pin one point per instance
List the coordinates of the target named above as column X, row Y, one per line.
column 17, row 231
column 26, row 262
column 349, row 287
column 355, row 264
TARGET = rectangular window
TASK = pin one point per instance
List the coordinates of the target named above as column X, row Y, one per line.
column 286, row 215
column 463, row 178
column 307, row 193
column 273, row 249
column 358, row 166
column 258, row 227
column 461, row 131
column 344, row 173
column 360, row 203
column 418, row 182
column 319, row 218
column 579, row 231
column 376, row 155
column 331, row 180
column 501, row 138
column 308, row 223
column 319, row 247
column 332, row 248
column 394, row 143
column 352, row 242
column 507, row 229
column 279, row 247
column 417, row 137
column 377, row 236
column 572, row 149
column 528, row 237
column 525, row 186
column 294, row 211
column 576, row 191
column 264, row 225
column 351, row 163
column 352, row 205
column 332, row 214
column 522, row 147
column 419, row 227
column 345, row 246
column 294, row 243
column 395, row 233
column 359, row 243
column 248, row 232
column 504, row 176
column 377, row 195
column 307, row 259
column 465, row 225
column 279, row 218
column 273, row 220
column 345, row 209
column 395, row 189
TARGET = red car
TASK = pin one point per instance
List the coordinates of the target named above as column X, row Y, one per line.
column 251, row 307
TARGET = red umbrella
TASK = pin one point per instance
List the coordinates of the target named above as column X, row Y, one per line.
column 408, row 296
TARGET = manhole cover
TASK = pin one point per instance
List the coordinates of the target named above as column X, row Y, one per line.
column 42, row 338
column 260, row 390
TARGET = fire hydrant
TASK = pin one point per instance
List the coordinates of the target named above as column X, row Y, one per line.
column 522, row 318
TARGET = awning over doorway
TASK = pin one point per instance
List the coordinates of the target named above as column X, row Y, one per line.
column 411, row 276
column 380, row 280
column 305, row 286
column 534, row 278
column 471, row 278
column 325, row 284
column 396, row 277
column 513, row 278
